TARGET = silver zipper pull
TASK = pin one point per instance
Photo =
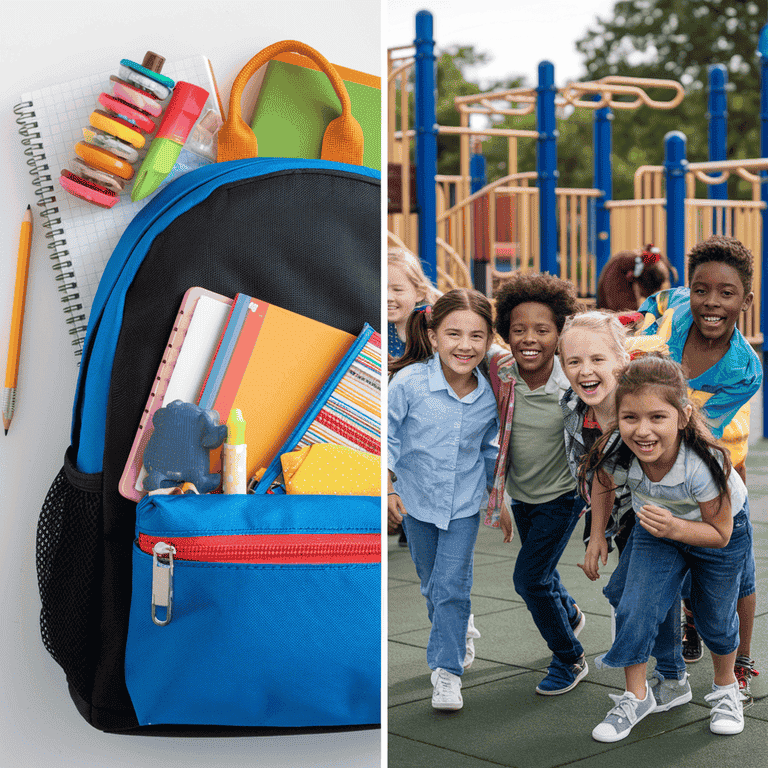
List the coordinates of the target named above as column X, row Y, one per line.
column 162, row 581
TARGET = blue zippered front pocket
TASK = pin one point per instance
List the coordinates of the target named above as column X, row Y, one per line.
column 277, row 644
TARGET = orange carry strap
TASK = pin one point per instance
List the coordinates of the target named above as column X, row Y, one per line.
column 343, row 138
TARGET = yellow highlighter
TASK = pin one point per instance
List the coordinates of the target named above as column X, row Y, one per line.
column 234, row 468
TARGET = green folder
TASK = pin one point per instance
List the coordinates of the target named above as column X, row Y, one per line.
column 296, row 102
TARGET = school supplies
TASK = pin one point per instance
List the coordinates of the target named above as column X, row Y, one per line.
column 346, row 411
column 122, row 122
column 178, row 451
column 329, row 469
column 276, row 368
column 181, row 114
column 234, row 454
column 17, row 319
column 81, row 236
column 185, row 361
column 302, row 235
column 296, row 102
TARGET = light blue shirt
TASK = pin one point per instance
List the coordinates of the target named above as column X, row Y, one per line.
column 442, row 448
column 683, row 487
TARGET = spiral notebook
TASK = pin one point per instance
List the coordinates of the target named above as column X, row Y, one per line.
column 82, row 236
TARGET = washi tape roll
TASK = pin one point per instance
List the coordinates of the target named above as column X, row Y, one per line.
column 87, row 190
column 100, row 158
column 117, row 127
column 110, row 143
column 128, row 112
column 102, row 178
column 143, row 81
column 141, row 99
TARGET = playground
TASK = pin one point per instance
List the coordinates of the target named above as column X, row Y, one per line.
column 470, row 233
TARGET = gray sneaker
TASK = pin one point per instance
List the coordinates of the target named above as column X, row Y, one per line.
column 628, row 711
column 669, row 693
column 727, row 715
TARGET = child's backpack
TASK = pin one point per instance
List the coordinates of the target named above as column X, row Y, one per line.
column 283, row 645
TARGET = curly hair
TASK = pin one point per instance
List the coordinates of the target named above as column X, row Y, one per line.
column 727, row 250
column 559, row 295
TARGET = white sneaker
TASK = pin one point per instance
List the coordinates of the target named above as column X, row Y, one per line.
column 472, row 635
column 629, row 711
column 447, row 691
column 727, row 715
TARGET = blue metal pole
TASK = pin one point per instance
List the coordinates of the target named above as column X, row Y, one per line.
column 675, row 165
column 762, row 52
column 717, row 116
column 477, row 266
column 546, row 166
column 603, row 180
column 426, row 143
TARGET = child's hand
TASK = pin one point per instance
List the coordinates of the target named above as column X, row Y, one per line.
column 597, row 550
column 658, row 521
column 395, row 510
column 505, row 521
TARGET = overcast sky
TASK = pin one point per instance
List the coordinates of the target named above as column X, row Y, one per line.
column 518, row 34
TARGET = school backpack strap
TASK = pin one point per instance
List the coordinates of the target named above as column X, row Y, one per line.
column 343, row 138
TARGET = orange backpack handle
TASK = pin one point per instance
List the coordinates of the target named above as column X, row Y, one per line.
column 343, row 138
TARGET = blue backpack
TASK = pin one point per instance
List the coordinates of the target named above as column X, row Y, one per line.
column 249, row 643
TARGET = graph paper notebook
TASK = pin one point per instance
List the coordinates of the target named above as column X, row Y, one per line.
column 82, row 236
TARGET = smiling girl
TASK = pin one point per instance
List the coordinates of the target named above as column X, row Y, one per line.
column 407, row 287
column 442, row 448
column 723, row 372
column 593, row 350
column 692, row 514
column 532, row 471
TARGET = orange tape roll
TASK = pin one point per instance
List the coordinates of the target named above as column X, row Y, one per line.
column 104, row 160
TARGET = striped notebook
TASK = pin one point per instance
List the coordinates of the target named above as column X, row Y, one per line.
column 346, row 411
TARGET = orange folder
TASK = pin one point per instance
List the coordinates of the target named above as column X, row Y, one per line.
column 280, row 362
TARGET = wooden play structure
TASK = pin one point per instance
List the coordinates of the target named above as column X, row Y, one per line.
column 476, row 233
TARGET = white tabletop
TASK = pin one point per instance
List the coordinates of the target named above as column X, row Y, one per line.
column 41, row 44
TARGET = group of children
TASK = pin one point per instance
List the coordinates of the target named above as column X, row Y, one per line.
column 642, row 419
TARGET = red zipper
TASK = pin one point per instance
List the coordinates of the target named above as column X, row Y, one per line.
column 279, row 549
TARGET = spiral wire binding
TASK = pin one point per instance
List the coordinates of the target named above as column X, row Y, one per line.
column 46, row 201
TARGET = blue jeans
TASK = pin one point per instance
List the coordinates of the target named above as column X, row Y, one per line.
column 654, row 576
column 667, row 648
column 443, row 561
column 544, row 531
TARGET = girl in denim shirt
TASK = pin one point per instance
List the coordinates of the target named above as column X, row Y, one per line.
column 692, row 515
column 441, row 453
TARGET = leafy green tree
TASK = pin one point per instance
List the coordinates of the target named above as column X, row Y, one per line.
column 678, row 40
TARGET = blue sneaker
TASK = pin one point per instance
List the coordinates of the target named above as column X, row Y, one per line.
column 561, row 677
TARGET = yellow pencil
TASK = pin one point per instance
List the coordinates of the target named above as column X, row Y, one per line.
column 17, row 319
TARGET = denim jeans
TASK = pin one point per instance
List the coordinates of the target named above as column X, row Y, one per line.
column 667, row 648
column 544, row 531
column 443, row 561
column 654, row 575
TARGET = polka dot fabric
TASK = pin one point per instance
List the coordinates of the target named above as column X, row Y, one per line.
column 336, row 470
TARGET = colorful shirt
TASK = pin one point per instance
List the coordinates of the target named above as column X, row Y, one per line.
column 724, row 390
column 441, row 447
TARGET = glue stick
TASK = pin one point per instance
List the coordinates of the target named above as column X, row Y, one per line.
column 234, row 468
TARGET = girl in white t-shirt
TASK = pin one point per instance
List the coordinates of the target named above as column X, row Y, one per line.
column 692, row 515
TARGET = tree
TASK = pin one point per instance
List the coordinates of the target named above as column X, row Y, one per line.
column 679, row 39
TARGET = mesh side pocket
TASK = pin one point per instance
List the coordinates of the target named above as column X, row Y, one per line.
column 68, row 573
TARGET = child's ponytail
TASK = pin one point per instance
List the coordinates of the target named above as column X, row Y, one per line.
column 417, row 344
